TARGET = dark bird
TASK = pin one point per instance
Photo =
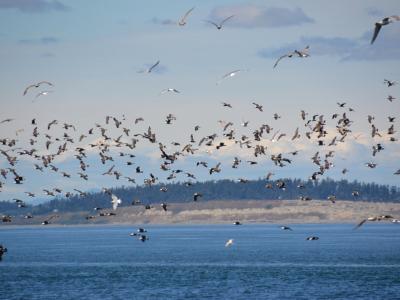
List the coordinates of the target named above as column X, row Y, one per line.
column 164, row 206
column 47, row 221
column 286, row 228
column 2, row 251
column 196, row 196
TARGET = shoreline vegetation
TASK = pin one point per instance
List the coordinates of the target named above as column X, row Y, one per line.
column 227, row 212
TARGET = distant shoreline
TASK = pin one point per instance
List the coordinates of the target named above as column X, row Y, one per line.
column 226, row 212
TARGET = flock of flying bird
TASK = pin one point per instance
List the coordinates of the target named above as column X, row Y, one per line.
column 44, row 146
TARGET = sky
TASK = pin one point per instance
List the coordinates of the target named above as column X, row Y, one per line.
column 93, row 52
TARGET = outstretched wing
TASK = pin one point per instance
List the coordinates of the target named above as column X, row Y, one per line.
column 360, row 224
column 226, row 19
column 279, row 59
column 183, row 20
column 153, row 66
column 376, row 32
column 115, row 201
column 211, row 22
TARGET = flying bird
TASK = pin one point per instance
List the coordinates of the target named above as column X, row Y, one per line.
column 219, row 25
column 115, row 201
column 36, row 85
column 299, row 53
column 229, row 243
column 383, row 22
column 229, row 75
column 168, row 90
column 44, row 93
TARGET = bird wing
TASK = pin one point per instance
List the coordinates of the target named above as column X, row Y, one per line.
column 153, row 66
column 279, row 59
column 183, row 19
column 27, row 88
column 226, row 19
column 46, row 82
column 211, row 22
column 376, row 32
column 296, row 133
column 360, row 224
column 115, row 201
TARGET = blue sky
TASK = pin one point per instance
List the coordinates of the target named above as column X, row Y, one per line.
column 92, row 51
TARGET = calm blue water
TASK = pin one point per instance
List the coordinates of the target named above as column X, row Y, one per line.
column 191, row 262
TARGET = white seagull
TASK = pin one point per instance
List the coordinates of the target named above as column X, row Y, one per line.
column 115, row 201
column 229, row 75
column 169, row 90
column 229, row 243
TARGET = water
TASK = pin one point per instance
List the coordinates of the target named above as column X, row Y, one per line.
column 191, row 262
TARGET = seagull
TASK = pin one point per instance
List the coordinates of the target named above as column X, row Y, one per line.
column 182, row 21
column 299, row 53
column 258, row 106
column 196, row 196
column 225, row 104
column 389, row 82
column 36, row 85
column 219, row 25
column 164, row 206
column 229, row 243
column 383, row 22
column 168, row 90
column 44, row 93
column 373, row 219
column 115, row 201
column 286, row 228
column 2, row 251
column 229, row 75
column 47, row 221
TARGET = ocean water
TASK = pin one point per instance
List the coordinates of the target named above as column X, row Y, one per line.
column 191, row 262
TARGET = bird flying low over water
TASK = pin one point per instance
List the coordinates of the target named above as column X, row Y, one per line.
column 383, row 22
column 373, row 219
column 229, row 243
column 286, row 228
